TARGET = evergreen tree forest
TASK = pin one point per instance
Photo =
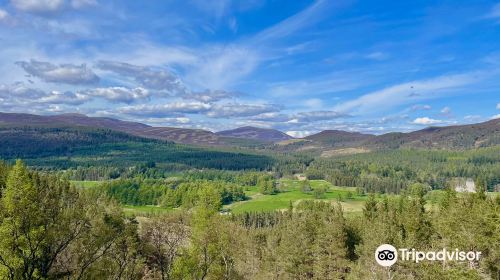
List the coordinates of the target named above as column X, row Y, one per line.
column 52, row 230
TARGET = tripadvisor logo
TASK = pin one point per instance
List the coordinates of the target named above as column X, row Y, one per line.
column 387, row 255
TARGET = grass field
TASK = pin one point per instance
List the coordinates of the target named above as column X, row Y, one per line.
column 290, row 192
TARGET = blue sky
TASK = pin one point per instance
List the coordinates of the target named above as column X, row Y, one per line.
column 298, row 66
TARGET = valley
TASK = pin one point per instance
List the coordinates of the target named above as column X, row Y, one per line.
column 248, row 190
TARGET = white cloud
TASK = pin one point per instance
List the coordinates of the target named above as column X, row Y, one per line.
column 77, row 4
column 120, row 94
column 497, row 116
column 408, row 92
column 377, row 56
column 25, row 96
column 295, row 22
column 498, row 106
column 271, row 117
column 321, row 85
column 446, row 110
column 241, row 110
column 209, row 95
column 20, row 91
column 314, row 103
column 64, row 73
column 420, row 107
column 38, row 6
column 50, row 6
column 165, row 110
column 222, row 66
column 472, row 117
column 426, row 121
column 165, row 121
column 147, row 77
column 318, row 116
column 299, row 134
column 69, row 98
column 233, row 24
column 3, row 14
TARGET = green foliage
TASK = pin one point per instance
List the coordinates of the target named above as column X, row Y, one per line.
column 394, row 170
column 50, row 230
column 305, row 186
column 109, row 154
column 135, row 191
column 188, row 194
column 267, row 185
column 319, row 192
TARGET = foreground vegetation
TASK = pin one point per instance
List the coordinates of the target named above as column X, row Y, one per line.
column 97, row 204
column 52, row 230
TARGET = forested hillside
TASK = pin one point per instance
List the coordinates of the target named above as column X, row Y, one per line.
column 72, row 147
column 392, row 171
column 458, row 137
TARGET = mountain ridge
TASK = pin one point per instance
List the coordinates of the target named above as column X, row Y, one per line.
column 257, row 133
column 452, row 137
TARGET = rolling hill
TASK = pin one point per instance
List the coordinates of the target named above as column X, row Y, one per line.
column 339, row 138
column 459, row 137
column 256, row 133
column 178, row 135
column 80, row 146
column 450, row 137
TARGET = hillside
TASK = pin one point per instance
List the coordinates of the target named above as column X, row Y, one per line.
column 335, row 142
column 484, row 134
column 256, row 133
column 70, row 147
column 178, row 135
column 339, row 138
column 451, row 137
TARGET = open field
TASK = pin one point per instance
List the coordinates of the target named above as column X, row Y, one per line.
column 290, row 192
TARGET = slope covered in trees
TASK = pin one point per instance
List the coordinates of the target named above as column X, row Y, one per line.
column 392, row 171
column 72, row 147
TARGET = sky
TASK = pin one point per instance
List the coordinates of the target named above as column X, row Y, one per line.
column 297, row 66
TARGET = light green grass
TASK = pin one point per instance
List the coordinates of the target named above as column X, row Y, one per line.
column 493, row 194
column 290, row 192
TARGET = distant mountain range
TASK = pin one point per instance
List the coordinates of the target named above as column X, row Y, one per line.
column 450, row 137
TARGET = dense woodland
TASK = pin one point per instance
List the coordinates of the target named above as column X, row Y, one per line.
column 393, row 170
column 50, row 230
column 111, row 153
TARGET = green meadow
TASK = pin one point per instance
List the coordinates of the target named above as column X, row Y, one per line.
column 290, row 192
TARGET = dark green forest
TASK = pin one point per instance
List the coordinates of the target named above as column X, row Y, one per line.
column 65, row 148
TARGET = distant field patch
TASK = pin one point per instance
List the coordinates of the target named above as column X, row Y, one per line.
column 291, row 193
column 345, row 151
